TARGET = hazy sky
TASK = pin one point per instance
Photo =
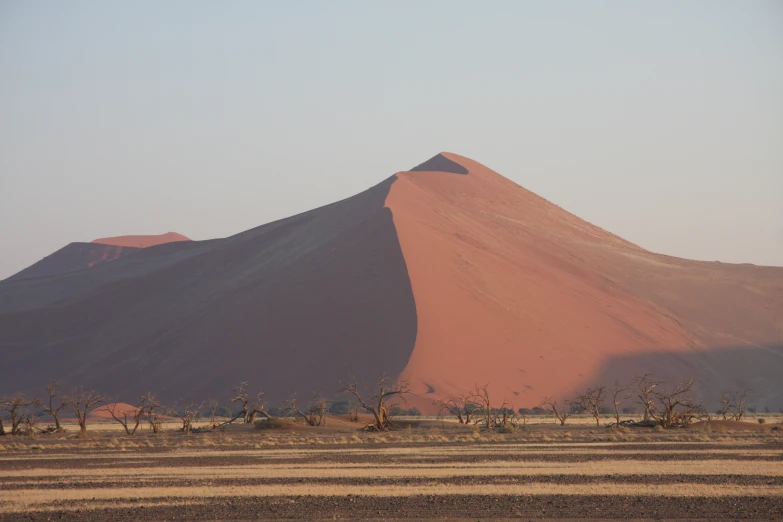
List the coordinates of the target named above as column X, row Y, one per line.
column 659, row 121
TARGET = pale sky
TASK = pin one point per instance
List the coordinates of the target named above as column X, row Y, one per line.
column 661, row 122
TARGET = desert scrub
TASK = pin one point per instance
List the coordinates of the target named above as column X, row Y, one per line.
column 272, row 423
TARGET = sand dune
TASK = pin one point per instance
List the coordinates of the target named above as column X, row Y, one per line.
column 142, row 241
column 448, row 275
column 78, row 256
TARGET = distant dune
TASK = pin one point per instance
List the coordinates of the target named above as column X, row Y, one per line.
column 142, row 241
column 448, row 275
column 78, row 256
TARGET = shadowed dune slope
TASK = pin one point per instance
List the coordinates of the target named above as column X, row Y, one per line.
column 445, row 280
column 293, row 306
column 72, row 257
column 78, row 256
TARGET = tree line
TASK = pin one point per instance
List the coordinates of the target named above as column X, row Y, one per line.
column 661, row 405
column 23, row 413
column 664, row 406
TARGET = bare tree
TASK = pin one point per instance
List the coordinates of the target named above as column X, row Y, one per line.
column 80, row 402
column 213, row 407
column 188, row 414
column 591, row 401
column 249, row 411
column 675, row 407
column 561, row 411
column 733, row 402
column 16, row 407
column 725, row 404
column 377, row 403
column 315, row 414
column 153, row 409
column 499, row 416
column 646, row 386
column 119, row 412
column 50, row 407
column 464, row 407
column 619, row 394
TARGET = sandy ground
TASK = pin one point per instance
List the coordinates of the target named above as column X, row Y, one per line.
column 452, row 472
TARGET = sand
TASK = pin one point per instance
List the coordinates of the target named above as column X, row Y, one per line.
column 142, row 241
column 448, row 278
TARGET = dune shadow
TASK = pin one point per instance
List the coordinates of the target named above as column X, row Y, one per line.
column 714, row 370
column 440, row 163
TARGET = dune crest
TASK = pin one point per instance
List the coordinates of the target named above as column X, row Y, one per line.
column 142, row 241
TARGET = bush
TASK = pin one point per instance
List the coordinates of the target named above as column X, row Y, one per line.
column 526, row 411
column 274, row 423
column 762, row 420
column 340, row 408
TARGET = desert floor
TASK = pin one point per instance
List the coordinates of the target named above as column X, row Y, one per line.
column 428, row 470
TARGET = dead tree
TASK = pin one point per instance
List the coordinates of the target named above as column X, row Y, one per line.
column 497, row 417
column 561, row 412
column 591, row 401
column 50, row 407
column 675, row 408
column 213, row 407
column 464, row 407
column 188, row 414
column 725, row 404
column 377, row 403
column 16, row 408
column 646, row 386
column 733, row 402
column 119, row 412
column 249, row 411
column 315, row 413
column 619, row 394
column 152, row 408
column 80, row 402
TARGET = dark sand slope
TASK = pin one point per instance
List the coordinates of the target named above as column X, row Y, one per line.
column 449, row 275
column 514, row 291
column 78, row 256
column 72, row 257
column 295, row 305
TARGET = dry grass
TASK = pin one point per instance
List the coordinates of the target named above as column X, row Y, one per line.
column 31, row 499
column 371, row 470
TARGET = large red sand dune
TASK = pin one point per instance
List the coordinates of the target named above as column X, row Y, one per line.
column 448, row 275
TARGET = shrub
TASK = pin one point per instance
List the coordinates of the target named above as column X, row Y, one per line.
column 273, row 423
column 762, row 420
column 340, row 408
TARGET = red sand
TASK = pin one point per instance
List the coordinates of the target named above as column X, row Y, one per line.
column 142, row 241
column 448, row 278
column 513, row 291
